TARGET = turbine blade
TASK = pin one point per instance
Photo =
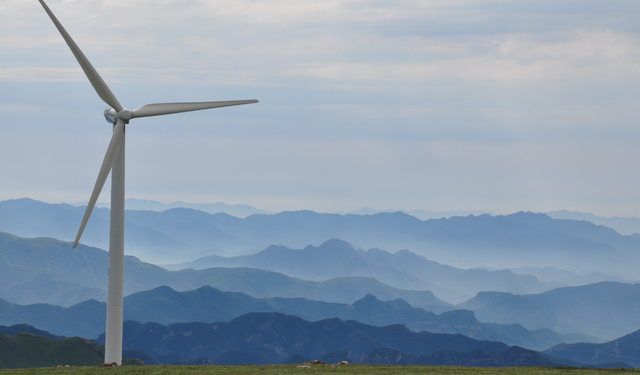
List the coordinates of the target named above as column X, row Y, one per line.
column 96, row 81
column 168, row 108
column 107, row 164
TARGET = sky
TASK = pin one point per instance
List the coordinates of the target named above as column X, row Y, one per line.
column 497, row 106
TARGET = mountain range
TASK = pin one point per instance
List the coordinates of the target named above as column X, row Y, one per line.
column 558, row 276
column 624, row 349
column 264, row 338
column 278, row 336
column 623, row 225
column 276, row 304
column 180, row 234
column 45, row 270
column 607, row 309
column 403, row 269
column 261, row 338
column 237, row 210
column 208, row 305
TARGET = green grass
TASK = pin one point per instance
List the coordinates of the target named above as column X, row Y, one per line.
column 319, row 369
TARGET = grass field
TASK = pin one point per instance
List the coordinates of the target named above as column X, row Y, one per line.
column 319, row 369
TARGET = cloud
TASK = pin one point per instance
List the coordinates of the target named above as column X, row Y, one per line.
column 263, row 41
column 481, row 104
column 576, row 55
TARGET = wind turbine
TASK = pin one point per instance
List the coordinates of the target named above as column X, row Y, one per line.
column 114, row 162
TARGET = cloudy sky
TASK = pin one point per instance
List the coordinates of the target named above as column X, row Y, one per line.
column 407, row 104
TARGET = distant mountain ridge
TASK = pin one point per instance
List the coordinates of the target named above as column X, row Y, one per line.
column 606, row 309
column 623, row 225
column 51, row 271
column 26, row 328
column 404, row 270
column 623, row 349
column 511, row 241
column 208, row 305
column 420, row 214
column 555, row 275
column 237, row 210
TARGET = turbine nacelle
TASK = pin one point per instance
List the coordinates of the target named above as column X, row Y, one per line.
column 110, row 115
column 113, row 117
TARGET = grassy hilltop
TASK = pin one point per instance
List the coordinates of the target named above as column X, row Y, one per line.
column 321, row 369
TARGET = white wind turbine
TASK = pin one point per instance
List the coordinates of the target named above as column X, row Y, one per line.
column 114, row 162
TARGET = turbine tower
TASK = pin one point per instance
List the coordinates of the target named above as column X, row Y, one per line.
column 114, row 162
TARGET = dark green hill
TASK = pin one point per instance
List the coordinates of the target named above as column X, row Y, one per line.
column 278, row 336
column 623, row 349
column 26, row 350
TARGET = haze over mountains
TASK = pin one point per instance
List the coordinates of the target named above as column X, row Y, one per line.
column 404, row 270
column 606, row 309
column 555, row 275
column 511, row 241
column 568, row 280
column 50, row 271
